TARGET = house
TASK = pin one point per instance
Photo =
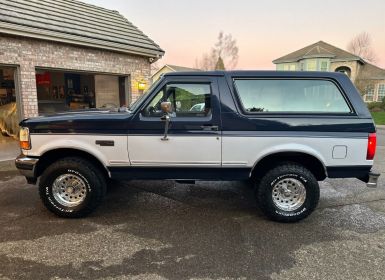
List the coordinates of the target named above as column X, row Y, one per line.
column 64, row 54
column 321, row 56
column 171, row 68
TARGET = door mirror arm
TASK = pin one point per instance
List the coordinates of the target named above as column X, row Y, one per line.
column 167, row 110
column 167, row 119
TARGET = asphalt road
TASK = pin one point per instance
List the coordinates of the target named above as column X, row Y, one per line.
column 163, row 230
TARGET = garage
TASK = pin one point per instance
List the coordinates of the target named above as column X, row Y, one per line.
column 69, row 55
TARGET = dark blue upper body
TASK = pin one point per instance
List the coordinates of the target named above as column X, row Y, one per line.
column 227, row 113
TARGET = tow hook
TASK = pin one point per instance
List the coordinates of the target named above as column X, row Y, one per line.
column 373, row 179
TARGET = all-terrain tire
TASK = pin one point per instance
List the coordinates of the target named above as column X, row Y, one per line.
column 76, row 176
column 290, row 178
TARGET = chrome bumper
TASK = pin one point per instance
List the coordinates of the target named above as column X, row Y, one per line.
column 372, row 180
column 26, row 165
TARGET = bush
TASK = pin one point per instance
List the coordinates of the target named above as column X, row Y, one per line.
column 376, row 109
column 377, row 106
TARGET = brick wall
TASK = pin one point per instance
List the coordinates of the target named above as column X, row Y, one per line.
column 30, row 53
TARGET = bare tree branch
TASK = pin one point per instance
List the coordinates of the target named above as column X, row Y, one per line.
column 225, row 48
column 361, row 45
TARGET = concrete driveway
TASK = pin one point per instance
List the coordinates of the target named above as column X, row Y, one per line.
column 163, row 230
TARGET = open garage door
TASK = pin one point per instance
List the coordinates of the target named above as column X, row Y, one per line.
column 9, row 118
column 59, row 91
column 9, row 114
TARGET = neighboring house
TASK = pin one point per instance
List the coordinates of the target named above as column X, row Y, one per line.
column 170, row 68
column 59, row 55
column 321, row 56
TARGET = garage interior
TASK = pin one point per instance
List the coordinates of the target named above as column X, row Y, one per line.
column 8, row 109
column 57, row 91
column 9, row 118
column 60, row 91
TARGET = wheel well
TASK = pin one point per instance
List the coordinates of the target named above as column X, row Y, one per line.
column 312, row 163
column 51, row 156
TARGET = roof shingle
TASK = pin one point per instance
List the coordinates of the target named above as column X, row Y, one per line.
column 319, row 49
column 372, row 72
column 75, row 22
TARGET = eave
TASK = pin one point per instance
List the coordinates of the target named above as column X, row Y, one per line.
column 36, row 33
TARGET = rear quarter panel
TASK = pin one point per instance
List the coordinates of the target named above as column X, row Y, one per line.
column 247, row 138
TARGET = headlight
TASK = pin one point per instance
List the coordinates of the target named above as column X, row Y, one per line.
column 25, row 140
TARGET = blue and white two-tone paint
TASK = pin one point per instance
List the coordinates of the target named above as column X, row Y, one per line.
column 224, row 126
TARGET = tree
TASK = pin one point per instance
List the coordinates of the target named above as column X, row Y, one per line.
column 224, row 54
column 363, row 85
column 220, row 64
column 361, row 45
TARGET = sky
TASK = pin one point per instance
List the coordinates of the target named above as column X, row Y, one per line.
column 264, row 29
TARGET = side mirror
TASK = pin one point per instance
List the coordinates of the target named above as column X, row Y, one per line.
column 166, row 107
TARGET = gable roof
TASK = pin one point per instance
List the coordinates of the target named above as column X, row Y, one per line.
column 372, row 72
column 74, row 22
column 318, row 50
column 176, row 68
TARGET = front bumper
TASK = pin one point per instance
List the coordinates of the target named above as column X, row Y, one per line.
column 27, row 166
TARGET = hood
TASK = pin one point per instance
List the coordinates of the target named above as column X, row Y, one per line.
column 82, row 121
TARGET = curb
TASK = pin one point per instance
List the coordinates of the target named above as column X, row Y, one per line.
column 7, row 165
column 380, row 126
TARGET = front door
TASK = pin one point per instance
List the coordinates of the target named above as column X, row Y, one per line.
column 194, row 138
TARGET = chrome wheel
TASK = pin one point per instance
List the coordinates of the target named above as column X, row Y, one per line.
column 289, row 194
column 69, row 190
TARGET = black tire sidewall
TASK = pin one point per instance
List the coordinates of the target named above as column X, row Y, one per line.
column 304, row 206
column 52, row 200
column 89, row 177
column 265, row 197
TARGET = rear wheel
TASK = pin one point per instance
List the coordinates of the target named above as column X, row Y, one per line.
column 72, row 187
column 288, row 193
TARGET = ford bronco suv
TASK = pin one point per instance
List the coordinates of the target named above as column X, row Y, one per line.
column 282, row 131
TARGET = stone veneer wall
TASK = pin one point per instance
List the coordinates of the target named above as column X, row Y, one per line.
column 31, row 53
column 353, row 65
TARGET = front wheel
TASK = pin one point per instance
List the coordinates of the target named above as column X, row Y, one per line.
column 72, row 187
column 288, row 193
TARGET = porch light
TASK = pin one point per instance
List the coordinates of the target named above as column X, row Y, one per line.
column 142, row 85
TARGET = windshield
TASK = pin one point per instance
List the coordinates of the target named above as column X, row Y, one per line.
column 138, row 101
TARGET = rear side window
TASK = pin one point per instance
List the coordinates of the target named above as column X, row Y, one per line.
column 290, row 96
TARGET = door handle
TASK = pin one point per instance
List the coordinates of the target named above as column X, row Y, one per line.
column 210, row 127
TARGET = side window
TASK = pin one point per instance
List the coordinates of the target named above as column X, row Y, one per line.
column 290, row 96
column 187, row 99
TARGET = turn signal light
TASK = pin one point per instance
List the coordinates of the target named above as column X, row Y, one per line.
column 25, row 140
column 372, row 143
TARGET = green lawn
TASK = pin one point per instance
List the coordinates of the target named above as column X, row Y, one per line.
column 379, row 117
